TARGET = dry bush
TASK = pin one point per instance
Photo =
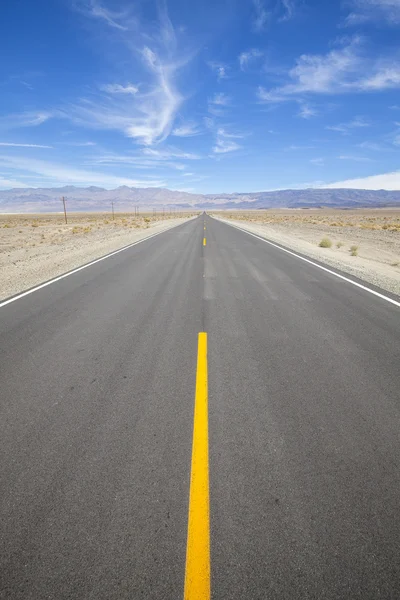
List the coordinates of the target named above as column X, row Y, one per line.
column 325, row 243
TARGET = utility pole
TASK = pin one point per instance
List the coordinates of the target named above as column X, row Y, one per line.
column 112, row 208
column 65, row 210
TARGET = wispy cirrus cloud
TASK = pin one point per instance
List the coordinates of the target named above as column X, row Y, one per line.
column 225, row 141
column 354, row 157
column 78, row 144
column 61, row 174
column 27, row 119
column 375, row 11
column 319, row 162
column 170, row 152
column 342, row 70
column 373, row 146
column 288, row 8
column 15, row 145
column 143, row 111
column 294, row 147
column 245, row 58
column 218, row 103
column 261, row 15
column 186, row 130
column 265, row 10
column 306, row 111
column 345, row 128
column 96, row 10
column 140, row 162
column 220, row 99
column 116, row 88
column 220, row 69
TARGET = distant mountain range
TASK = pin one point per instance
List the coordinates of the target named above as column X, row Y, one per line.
column 125, row 198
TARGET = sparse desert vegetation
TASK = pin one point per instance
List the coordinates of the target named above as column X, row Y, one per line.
column 34, row 248
column 325, row 243
column 364, row 242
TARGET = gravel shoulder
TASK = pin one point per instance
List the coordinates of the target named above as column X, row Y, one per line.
column 377, row 259
column 34, row 249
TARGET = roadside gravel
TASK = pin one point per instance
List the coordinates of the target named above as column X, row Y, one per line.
column 58, row 248
column 377, row 262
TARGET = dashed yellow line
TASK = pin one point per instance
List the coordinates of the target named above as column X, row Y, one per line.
column 197, row 573
column 204, row 241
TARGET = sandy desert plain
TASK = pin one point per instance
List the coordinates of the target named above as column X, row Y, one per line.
column 38, row 247
column 362, row 242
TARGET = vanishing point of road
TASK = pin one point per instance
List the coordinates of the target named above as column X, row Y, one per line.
column 202, row 415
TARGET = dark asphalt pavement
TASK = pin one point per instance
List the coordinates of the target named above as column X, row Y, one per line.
column 97, row 381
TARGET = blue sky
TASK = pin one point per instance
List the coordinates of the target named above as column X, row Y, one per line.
column 204, row 96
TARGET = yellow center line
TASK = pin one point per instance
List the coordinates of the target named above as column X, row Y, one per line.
column 197, row 573
column 204, row 241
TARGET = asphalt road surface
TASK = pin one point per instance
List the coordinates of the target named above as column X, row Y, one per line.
column 97, row 386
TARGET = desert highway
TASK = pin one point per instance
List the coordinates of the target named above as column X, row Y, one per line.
column 257, row 460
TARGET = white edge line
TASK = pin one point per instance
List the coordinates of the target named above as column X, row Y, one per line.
column 89, row 264
column 359, row 285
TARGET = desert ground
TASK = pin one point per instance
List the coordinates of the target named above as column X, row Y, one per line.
column 38, row 247
column 363, row 242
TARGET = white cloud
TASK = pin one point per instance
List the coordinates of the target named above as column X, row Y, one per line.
column 220, row 69
column 224, row 142
column 293, row 147
column 186, row 130
column 319, row 162
column 222, row 146
column 144, row 112
column 92, row 8
column 306, row 111
column 11, row 183
column 220, row 100
column 116, row 88
column 344, row 128
column 355, row 158
column 217, row 105
column 78, row 144
column 374, row 10
column 61, row 174
column 13, row 145
column 246, row 57
column 221, row 132
column 288, row 9
column 371, row 146
column 169, row 152
column 386, row 181
column 342, row 70
column 27, row 119
column 140, row 161
column 261, row 15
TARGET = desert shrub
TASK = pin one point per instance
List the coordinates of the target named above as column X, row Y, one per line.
column 339, row 244
column 325, row 243
column 353, row 250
